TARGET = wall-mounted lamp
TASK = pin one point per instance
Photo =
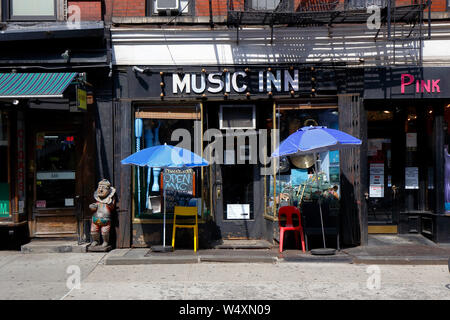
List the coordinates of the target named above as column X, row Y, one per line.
column 140, row 70
column 15, row 102
column 66, row 55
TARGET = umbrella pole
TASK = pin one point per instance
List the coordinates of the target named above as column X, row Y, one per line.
column 320, row 202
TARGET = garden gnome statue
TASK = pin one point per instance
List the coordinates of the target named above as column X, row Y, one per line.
column 102, row 208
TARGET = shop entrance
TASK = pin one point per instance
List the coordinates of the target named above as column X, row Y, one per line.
column 384, row 150
column 400, row 167
column 238, row 214
column 237, row 184
column 61, row 179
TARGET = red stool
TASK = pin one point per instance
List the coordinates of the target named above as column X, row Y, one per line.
column 288, row 212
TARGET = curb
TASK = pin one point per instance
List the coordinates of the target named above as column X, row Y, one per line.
column 238, row 259
column 26, row 248
column 149, row 260
column 308, row 259
column 418, row 260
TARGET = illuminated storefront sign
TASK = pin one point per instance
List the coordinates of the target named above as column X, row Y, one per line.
column 236, row 82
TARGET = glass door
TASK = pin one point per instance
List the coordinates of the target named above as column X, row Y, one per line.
column 55, row 183
column 383, row 176
column 401, row 170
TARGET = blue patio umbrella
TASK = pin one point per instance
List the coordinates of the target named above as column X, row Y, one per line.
column 165, row 156
column 315, row 139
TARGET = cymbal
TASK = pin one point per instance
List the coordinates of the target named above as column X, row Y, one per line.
column 303, row 162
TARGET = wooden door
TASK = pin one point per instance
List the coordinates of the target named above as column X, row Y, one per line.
column 60, row 176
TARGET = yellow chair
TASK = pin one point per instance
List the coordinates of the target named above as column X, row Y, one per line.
column 185, row 212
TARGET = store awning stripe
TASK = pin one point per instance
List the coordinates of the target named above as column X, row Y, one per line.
column 22, row 85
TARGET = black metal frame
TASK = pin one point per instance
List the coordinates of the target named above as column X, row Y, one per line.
column 8, row 7
column 406, row 18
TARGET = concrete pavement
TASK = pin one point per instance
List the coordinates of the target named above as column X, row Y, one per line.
column 281, row 281
column 45, row 276
column 41, row 276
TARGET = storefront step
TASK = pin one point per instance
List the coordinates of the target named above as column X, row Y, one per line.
column 146, row 256
column 243, row 244
column 53, row 246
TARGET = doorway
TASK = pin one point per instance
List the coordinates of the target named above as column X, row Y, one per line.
column 382, row 155
column 237, row 184
column 400, row 166
column 61, row 176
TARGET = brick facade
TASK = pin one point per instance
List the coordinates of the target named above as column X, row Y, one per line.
column 128, row 8
column 92, row 10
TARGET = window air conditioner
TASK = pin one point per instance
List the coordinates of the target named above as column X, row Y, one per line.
column 167, row 6
column 237, row 117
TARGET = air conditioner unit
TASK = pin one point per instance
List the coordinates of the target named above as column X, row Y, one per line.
column 167, row 6
column 237, row 117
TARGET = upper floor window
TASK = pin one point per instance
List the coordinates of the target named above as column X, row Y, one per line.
column 263, row 4
column 22, row 10
column 170, row 7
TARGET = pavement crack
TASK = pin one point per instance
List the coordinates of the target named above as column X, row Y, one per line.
column 84, row 278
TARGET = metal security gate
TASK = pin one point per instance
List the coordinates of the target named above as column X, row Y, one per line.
column 352, row 120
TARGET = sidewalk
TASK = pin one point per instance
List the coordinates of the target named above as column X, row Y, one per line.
column 382, row 249
column 400, row 249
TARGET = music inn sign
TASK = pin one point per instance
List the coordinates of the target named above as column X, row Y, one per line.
column 238, row 82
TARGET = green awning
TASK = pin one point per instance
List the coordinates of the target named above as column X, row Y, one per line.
column 34, row 85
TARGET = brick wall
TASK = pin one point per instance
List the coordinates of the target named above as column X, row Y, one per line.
column 90, row 10
column 136, row 8
column 128, row 8
column 219, row 8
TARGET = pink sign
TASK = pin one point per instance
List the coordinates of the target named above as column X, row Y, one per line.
column 429, row 86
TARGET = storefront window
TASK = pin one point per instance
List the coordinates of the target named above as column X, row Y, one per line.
column 295, row 181
column 447, row 159
column 56, row 166
column 183, row 187
column 419, row 168
column 4, row 166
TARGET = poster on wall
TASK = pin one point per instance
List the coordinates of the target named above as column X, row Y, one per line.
column 411, row 140
column 375, row 145
column 238, row 211
column 376, row 188
column 412, row 178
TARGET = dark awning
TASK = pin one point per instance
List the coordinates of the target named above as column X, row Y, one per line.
column 34, row 85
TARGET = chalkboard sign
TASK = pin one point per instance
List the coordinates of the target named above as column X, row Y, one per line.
column 179, row 186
